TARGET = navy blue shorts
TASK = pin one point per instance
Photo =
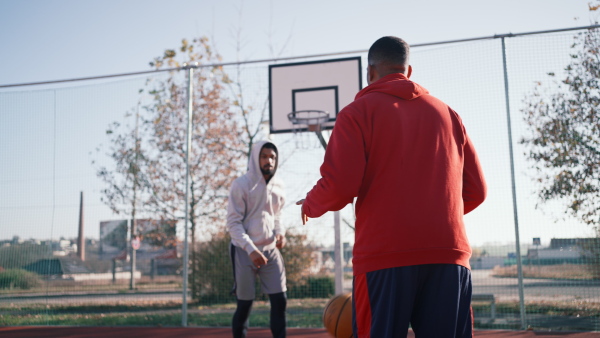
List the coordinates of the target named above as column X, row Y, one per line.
column 435, row 299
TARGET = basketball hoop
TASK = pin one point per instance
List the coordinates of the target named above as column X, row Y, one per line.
column 311, row 120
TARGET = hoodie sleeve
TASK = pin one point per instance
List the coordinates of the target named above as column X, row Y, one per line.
column 236, row 211
column 474, row 186
column 278, row 229
column 342, row 170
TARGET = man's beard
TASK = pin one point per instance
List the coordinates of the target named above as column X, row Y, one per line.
column 266, row 171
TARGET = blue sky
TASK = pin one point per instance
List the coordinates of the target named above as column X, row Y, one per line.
column 54, row 40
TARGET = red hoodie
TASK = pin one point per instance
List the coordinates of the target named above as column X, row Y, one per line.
column 408, row 159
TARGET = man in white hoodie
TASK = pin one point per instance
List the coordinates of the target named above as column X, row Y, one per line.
column 255, row 203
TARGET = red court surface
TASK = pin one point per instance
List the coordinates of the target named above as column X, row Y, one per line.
column 180, row 332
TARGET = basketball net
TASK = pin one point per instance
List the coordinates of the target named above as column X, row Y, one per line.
column 303, row 138
column 305, row 123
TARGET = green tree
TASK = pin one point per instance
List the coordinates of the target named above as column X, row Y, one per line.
column 564, row 140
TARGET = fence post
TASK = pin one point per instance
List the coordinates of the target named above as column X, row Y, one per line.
column 514, row 193
column 338, row 254
column 153, row 266
column 114, row 271
column 186, row 254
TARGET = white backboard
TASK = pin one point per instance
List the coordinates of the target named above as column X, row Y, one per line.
column 327, row 85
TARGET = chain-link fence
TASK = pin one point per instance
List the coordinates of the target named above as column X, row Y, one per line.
column 74, row 153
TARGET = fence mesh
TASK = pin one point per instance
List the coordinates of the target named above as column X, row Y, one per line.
column 54, row 142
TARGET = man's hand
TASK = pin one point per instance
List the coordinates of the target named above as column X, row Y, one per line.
column 280, row 241
column 258, row 258
column 302, row 214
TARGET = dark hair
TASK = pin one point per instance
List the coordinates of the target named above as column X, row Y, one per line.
column 269, row 145
column 389, row 50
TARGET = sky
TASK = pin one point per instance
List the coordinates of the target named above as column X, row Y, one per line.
column 45, row 40
column 55, row 40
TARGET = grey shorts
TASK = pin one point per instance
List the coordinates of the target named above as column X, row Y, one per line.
column 272, row 275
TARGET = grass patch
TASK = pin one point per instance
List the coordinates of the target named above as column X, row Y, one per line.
column 560, row 271
column 170, row 319
column 300, row 313
column 90, row 308
column 121, row 286
column 574, row 308
column 305, row 312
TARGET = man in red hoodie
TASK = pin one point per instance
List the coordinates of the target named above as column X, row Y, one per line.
column 406, row 157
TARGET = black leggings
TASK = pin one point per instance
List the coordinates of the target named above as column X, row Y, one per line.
column 242, row 313
column 278, row 306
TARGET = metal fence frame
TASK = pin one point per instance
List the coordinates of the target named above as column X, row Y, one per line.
column 189, row 68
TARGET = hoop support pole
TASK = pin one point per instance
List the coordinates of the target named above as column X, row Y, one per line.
column 338, row 246
column 321, row 139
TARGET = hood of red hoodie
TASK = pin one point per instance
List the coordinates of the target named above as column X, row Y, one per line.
column 396, row 84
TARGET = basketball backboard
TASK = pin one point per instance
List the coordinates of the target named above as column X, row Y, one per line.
column 327, row 85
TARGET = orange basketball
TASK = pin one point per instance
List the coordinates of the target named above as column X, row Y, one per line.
column 337, row 316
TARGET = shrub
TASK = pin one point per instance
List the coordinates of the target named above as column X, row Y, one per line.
column 297, row 256
column 212, row 278
column 19, row 255
column 18, row 278
column 313, row 287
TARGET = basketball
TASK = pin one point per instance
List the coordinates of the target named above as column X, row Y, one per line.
column 337, row 316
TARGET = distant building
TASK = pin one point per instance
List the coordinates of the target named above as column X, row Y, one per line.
column 566, row 243
column 64, row 247
column 71, row 268
column 486, row 262
column 561, row 251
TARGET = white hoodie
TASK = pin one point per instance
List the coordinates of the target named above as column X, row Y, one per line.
column 255, row 207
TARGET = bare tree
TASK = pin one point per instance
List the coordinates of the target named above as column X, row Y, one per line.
column 251, row 109
column 127, row 179
column 216, row 151
column 150, row 160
